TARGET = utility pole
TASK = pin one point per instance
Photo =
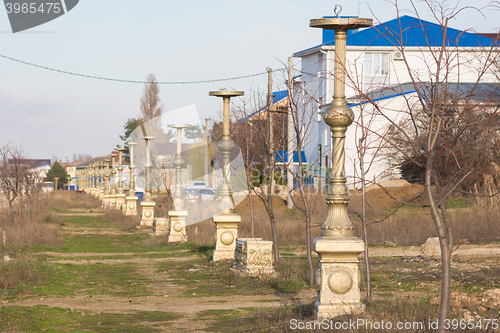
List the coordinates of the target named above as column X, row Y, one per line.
column 205, row 171
column 270, row 120
column 289, row 176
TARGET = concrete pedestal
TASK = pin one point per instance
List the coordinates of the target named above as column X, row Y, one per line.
column 337, row 278
column 148, row 211
column 253, row 256
column 112, row 201
column 120, row 201
column 105, row 200
column 131, row 205
column 160, row 226
column 177, row 226
column 226, row 232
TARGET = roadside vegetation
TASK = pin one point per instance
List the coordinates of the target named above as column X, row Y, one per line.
column 77, row 267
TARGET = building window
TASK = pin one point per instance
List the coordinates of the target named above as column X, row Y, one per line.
column 376, row 63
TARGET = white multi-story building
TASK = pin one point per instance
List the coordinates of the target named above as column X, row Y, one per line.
column 387, row 55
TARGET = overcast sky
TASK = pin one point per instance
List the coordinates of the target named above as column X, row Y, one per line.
column 58, row 114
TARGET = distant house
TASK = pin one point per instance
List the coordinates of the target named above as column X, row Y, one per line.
column 42, row 166
column 397, row 100
column 374, row 64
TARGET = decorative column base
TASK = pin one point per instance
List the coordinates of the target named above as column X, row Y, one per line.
column 177, row 226
column 112, row 201
column 253, row 257
column 226, row 232
column 337, row 278
column 120, row 201
column 105, row 200
column 148, row 212
column 131, row 207
column 160, row 226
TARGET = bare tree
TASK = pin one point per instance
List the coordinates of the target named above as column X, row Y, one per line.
column 254, row 134
column 441, row 114
column 299, row 102
column 151, row 108
column 12, row 174
column 32, row 186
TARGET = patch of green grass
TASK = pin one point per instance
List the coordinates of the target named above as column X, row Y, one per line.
column 23, row 274
column 222, row 314
column 457, row 203
column 42, row 318
column 95, row 279
column 201, row 279
column 251, row 319
column 102, row 243
column 86, row 221
column 269, row 300
column 57, row 209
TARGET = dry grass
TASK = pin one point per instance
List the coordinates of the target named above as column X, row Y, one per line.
column 42, row 229
column 72, row 200
column 408, row 226
column 116, row 217
column 22, row 269
column 32, row 233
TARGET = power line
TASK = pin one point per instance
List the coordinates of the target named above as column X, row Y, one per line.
column 131, row 81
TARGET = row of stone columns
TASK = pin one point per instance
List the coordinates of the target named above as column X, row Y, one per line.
column 338, row 248
column 98, row 180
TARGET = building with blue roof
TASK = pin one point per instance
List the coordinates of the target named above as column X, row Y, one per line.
column 380, row 62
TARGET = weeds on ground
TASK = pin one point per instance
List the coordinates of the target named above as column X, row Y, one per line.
column 42, row 318
column 204, row 278
column 116, row 217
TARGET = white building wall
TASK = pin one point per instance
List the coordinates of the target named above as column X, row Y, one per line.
column 464, row 66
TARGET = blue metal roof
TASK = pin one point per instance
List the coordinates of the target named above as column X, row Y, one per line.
column 279, row 95
column 283, row 155
column 477, row 92
column 408, row 31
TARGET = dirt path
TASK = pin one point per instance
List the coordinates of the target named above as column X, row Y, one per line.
column 166, row 295
column 169, row 301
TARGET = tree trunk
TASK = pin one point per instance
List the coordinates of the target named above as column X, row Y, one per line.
column 11, row 213
column 308, row 232
column 250, row 204
column 444, row 241
column 274, row 233
column 28, row 205
column 365, row 237
column 363, row 220
column 20, row 208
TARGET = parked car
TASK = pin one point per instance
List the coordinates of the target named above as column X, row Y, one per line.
column 198, row 184
column 207, row 194
column 191, row 195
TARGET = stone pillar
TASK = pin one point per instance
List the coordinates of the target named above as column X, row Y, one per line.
column 148, row 206
column 226, row 220
column 178, row 214
column 93, row 186
column 120, row 194
column 100, row 194
column 337, row 278
column 112, row 194
column 106, row 192
column 131, row 198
